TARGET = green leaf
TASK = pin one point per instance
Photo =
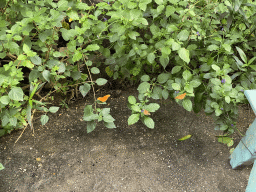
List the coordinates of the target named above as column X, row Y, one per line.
column 133, row 34
column 159, row 2
column 149, row 122
column 227, row 99
column 44, row 119
column 187, row 75
column 165, row 94
column 143, row 87
column 110, row 125
column 176, row 86
column 212, row 48
column 154, row 29
column 172, row 28
column 84, row 89
column 151, row 57
column 13, row 121
column 169, row 10
column 73, row 15
column 218, row 112
column 145, row 78
column 5, row 100
column 164, row 61
column 185, row 137
column 215, row 67
column 77, row 56
column 134, row 118
column 176, row 69
column 53, row 109
column 152, row 107
column 108, row 118
column 183, row 35
column 195, row 83
column 142, row 21
column 91, row 125
column 95, row 70
column 227, row 47
column 1, row 166
column 187, row 104
column 242, row 54
column 184, row 55
column 22, row 57
column 224, row 140
column 36, row 60
column 26, row 48
column 163, row 77
column 47, row 75
column 136, row 108
column 132, row 100
column 175, row 46
column 16, row 94
column 101, row 81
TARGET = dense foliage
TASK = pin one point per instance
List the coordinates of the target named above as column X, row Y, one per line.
column 200, row 52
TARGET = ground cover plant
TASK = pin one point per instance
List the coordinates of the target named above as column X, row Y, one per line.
column 201, row 53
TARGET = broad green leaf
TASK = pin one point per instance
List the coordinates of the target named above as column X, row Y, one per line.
column 185, row 137
column 134, row 118
column 187, row 104
column 26, row 48
column 95, row 70
column 13, row 121
column 110, row 125
column 91, row 125
column 154, row 29
column 101, row 81
column 84, row 89
column 183, row 35
column 160, row 8
column 73, row 15
column 143, row 87
column 224, row 140
column 176, row 69
column 44, row 119
column 53, row 109
column 149, row 122
column 215, row 67
column 164, row 61
column 176, row 86
column 136, row 108
column 163, row 77
column 47, row 75
column 151, row 57
column 184, row 55
column 132, row 100
column 175, row 46
column 77, row 56
column 16, row 94
column 143, row 21
column 133, row 34
column 108, row 118
column 189, row 88
column 5, row 100
column 242, row 54
column 145, row 78
column 36, row 60
column 165, row 94
column 218, row 112
column 152, row 107
column 212, row 48
column 159, row 2
column 187, row 75
column 227, row 47
column 22, row 57
column 227, row 99
column 195, row 83
column 169, row 11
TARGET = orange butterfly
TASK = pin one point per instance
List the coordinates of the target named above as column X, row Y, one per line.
column 103, row 99
column 180, row 97
column 145, row 112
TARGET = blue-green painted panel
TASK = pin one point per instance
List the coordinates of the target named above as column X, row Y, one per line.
column 251, row 187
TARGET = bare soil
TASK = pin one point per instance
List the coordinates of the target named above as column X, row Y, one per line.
column 62, row 157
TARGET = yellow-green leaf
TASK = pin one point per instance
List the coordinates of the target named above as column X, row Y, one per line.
column 185, row 137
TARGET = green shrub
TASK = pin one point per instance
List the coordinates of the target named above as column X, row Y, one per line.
column 201, row 49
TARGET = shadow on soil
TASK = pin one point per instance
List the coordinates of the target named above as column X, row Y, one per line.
column 62, row 157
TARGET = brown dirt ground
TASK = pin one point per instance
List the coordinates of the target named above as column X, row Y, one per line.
column 128, row 158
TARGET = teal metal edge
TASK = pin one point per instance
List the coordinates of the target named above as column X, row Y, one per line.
column 251, row 97
column 251, row 187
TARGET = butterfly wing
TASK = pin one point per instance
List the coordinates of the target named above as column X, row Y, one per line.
column 180, row 97
column 103, row 99
column 146, row 112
